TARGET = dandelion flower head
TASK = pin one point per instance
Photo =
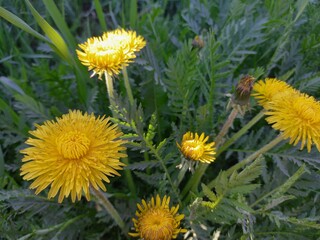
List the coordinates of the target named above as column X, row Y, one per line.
column 194, row 147
column 266, row 91
column 110, row 52
column 155, row 220
column 297, row 116
column 72, row 153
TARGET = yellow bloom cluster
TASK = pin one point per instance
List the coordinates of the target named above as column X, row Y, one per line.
column 295, row 114
column 110, row 52
column 194, row 147
column 156, row 220
column 79, row 151
column 72, row 153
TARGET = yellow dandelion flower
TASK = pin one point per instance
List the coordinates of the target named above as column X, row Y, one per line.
column 110, row 52
column 194, row 147
column 157, row 221
column 72, row 153
column 297, row 116
column 265, row 91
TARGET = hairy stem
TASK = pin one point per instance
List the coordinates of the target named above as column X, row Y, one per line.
column 104, row 201
column 127, row 85
column 109, row 84
column 127, row 172
column 226, row 126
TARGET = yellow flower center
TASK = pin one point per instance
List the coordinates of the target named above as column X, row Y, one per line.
column 73, row 145
column 192, row 149
column 157, row 224
column 101, row 49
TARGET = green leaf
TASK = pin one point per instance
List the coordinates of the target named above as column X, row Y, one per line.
column 151, row 132
column 60, row 22
column 59, row 44
column 100, row 15
column 33, row 107
column 279, row 191
column 10, row 17
column 1, row 163
column 208, row 193
column 277, row 201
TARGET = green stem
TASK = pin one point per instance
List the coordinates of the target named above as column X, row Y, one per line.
column 127, row 85
column 104, row 201
column 250, row 158
column 45, row 231
column 226, row 126
column 109, row 84
column 202, row 168
column 129, row 178
column 282, row 188
column 147, row 159
column 181, row 174
column 194, row 179
column 127, row 172
column 100, row 15
column 241, row 132
column 153, row 150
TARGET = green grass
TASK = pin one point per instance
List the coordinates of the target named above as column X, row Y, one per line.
column 177, row 88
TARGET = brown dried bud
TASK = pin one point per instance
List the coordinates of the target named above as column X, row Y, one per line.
column 197, row 42
column 243, row 90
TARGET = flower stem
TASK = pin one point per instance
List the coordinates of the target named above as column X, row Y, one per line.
column 127, row 85
column 202, row 168
column 181, row 174
column 226, row 126
column 129, row 178
column 250, row 158
column 241, row 132
column 158, row 157
column 104, row 201
column 109, row 84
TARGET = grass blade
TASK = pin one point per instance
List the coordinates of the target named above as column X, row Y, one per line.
column 18, row 22
column 59, row 44
column 100, row 15
column 60, row 22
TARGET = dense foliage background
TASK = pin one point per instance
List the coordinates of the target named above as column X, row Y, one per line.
column 177, row 87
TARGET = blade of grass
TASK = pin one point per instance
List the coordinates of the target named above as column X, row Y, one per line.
column 100, row 15
column 60, row 22
column 1, row 163
column 62, row 49
column 59, row 44
column 13, row 115
column 133, row 13
column 18, row 22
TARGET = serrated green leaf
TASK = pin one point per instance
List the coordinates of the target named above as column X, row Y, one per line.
column 244, row 189
column 277, row 201
column 208, row 193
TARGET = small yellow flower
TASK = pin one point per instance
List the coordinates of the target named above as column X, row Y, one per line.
column 266, row 90
column 156, row 221
column 72, row 153
column 297, row 116
column 195, row 148
column 110, row 52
